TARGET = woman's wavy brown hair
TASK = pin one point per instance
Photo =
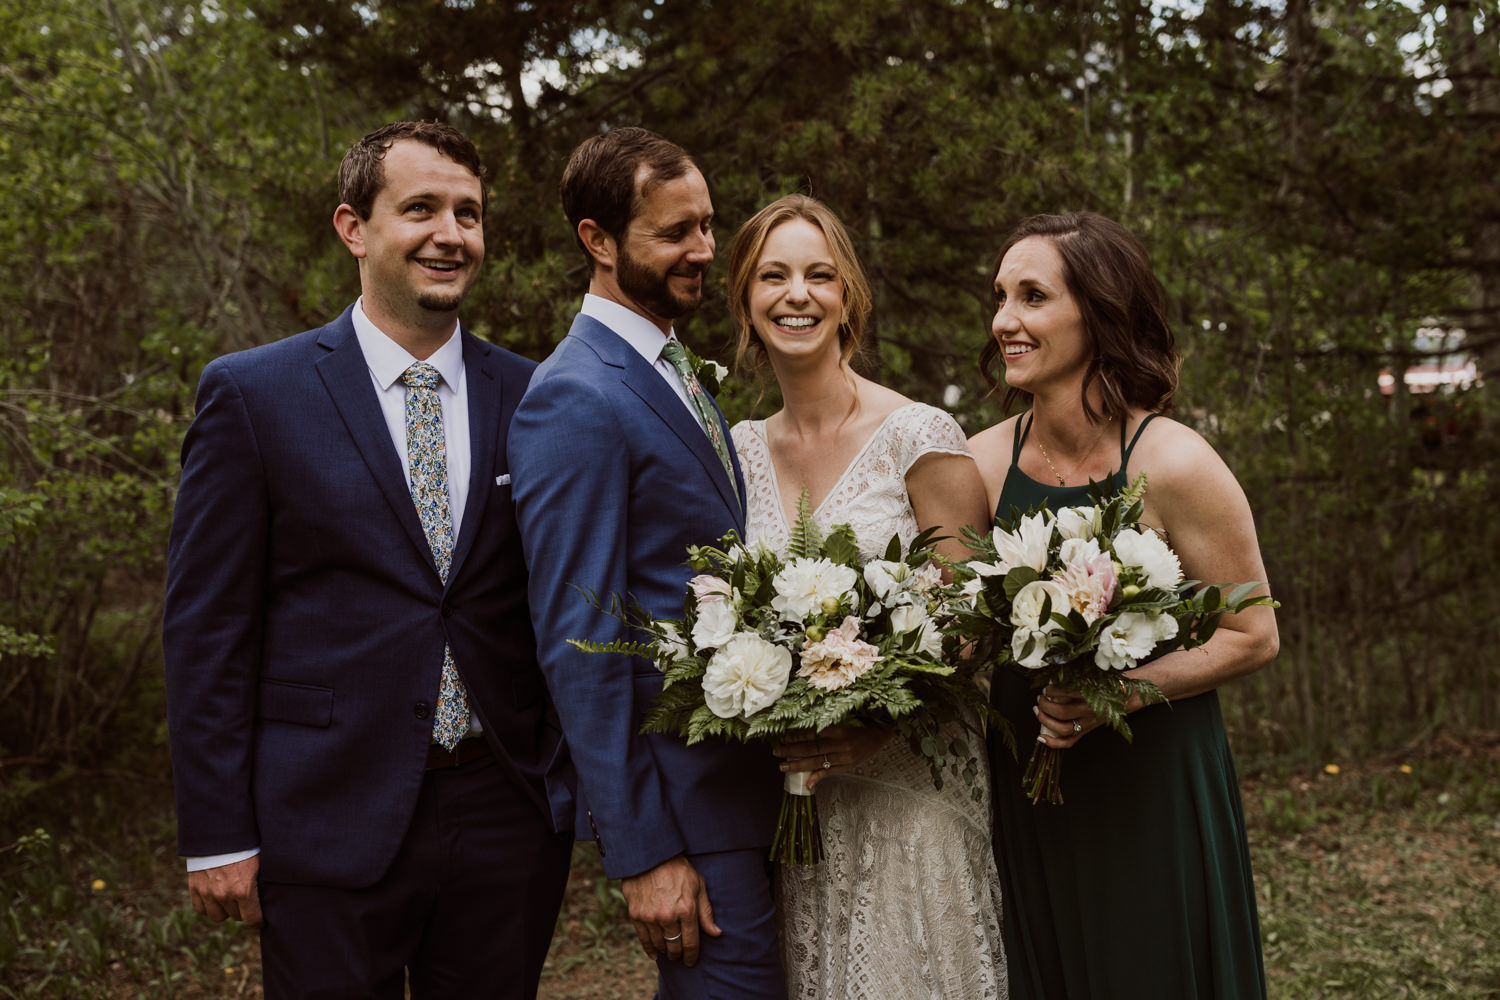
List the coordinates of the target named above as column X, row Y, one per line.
column 1124, row 310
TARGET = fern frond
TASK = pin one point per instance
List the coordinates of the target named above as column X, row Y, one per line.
column 806, row 541
column 624, row 647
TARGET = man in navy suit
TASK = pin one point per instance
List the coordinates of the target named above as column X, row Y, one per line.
column 362, row 743
column 615, row 476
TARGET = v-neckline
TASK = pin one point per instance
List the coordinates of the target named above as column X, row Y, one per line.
column 765, row 436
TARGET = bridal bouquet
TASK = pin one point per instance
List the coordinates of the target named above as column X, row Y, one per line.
column 1077, row 599
column 768, row 646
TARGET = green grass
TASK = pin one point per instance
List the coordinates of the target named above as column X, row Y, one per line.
column 95, row 903
column 1373, row 882
column 1379, row 882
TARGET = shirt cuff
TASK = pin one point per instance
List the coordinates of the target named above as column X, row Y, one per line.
column 219, row 860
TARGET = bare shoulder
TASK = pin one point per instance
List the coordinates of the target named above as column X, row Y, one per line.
column 992, row 448
column 1168, row 450
column 1185, row 477
column 876, row 402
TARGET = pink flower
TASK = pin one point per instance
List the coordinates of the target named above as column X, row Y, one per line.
column 839, row 658
column 708, row 588
column 1090, row 583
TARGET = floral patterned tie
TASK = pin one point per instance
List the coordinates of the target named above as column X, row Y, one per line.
column 427, row 455
column 676, row 356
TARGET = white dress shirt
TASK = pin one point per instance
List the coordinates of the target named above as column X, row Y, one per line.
column 387, row 360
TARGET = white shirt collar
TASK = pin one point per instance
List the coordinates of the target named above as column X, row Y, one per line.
column 633, row 328
column 388, row 359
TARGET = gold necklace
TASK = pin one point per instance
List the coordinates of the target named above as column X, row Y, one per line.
column 1087, row 455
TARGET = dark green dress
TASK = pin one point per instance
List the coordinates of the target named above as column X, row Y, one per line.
column 1139, row 885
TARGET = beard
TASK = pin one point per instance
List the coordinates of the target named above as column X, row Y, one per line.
column 444, row 301
column 651, row 291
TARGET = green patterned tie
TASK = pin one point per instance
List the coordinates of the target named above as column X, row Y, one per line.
column 676, row 356
column 427, row 455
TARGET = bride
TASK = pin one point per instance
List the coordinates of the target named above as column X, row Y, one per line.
column 906, row 902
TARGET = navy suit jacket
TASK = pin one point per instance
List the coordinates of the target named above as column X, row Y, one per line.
column 614, row 479
column 305, row 617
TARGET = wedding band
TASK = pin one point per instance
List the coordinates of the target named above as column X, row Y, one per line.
column 1077, row 727
column 675, row 937
column 827, row 763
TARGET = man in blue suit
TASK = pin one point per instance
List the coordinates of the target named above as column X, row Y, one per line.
column 621, row 463
column 362, row 743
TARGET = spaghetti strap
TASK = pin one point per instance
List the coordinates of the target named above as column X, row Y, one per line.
column 1019, row 438
column 1125, row 449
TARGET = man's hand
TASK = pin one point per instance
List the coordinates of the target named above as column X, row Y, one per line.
column 228, row 891
column 669, row 905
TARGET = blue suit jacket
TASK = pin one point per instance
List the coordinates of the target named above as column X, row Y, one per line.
column 305, row 617
column 614, row 479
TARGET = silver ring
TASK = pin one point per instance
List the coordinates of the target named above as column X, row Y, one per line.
column 675, row 937
column 827, row 763
column 1077, row 727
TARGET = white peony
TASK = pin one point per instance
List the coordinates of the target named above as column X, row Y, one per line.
column 1146, row 550
column 1026, row 609
column 746, row 675
column 1027, row 545
column 1131, row 637
column 803, row 585
column 914, row 618
column 716, row 623
column 1077, row 522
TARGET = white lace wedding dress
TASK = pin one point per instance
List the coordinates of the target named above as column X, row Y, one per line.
column 906, row 903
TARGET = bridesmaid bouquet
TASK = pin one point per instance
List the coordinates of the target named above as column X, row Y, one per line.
column 1078, row 599
column 767, row 646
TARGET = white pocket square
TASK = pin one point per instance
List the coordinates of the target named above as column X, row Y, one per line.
column 503, row 480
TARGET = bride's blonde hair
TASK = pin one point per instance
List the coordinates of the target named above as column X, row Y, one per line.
column 744, row 254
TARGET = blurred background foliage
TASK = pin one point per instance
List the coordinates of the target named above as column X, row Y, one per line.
column 1316, row 183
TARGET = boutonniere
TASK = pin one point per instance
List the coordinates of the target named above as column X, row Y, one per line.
column 708, row 373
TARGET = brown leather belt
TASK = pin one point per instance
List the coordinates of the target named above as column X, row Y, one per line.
column 470, row 749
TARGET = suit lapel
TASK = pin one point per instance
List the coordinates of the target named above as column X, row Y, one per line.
column 484, row 427
column 346, row 375
column 648, row 385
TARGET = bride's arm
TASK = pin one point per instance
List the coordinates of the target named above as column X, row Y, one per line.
column 947, row 493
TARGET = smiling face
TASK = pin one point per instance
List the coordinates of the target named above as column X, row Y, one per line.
column 666, row 251
column 796, row 295
column 1037, row 321
column 421, row 249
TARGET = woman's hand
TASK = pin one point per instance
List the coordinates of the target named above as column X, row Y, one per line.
column 830, row 751
column 1065, row 717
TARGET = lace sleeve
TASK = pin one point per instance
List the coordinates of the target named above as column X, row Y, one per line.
column 927, row 429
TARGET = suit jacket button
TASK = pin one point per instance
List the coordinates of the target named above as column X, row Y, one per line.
column 447, row 610
column 421, row 710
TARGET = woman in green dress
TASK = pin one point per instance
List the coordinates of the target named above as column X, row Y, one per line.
column 1139, row 885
